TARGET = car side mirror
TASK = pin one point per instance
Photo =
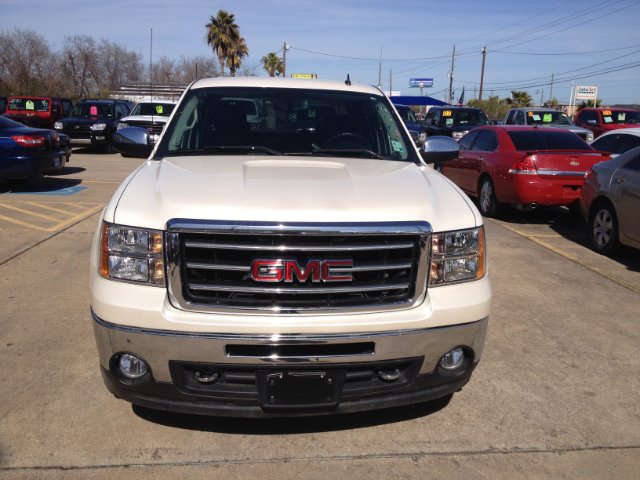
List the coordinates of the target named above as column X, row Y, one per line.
column 132, row 141
column 439, row 149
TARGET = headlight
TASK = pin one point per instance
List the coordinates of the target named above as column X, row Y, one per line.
column 422, row 137
column 98, row 126
column 589, row 136
column 132, row 254
column 122, row 125
column 457, row 256
column 57, row 126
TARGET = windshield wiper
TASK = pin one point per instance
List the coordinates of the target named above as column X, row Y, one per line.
column 240, row 149
column 356, row 152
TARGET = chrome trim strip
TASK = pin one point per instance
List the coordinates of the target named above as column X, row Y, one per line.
column 543, row 171
column 181, row 225
column 284, row 291
column 301, row 248
column 218, row 266
column 281, row 339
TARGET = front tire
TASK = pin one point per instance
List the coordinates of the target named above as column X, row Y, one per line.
column 603, row 228
column 487, row 202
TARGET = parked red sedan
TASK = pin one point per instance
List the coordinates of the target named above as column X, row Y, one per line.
column 522, row 166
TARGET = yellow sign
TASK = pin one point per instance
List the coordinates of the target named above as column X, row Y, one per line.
column 606, row 113
column 304, row 75
column 446, row 113
column 159, row 109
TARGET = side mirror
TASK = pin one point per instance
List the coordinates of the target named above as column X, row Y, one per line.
column 132, row 141
column 439, row 149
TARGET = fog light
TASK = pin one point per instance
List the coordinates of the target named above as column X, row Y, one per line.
column 453, row 359
column 132, row 366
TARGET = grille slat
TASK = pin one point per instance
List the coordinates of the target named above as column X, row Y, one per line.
column 215, row 271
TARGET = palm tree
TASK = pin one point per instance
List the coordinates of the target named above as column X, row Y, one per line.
column 273, row 64
column 237, row 51
column 519, row 99
column 222, row 34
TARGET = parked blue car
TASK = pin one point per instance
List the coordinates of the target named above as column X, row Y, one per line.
column 411, row 122
column 27, row 152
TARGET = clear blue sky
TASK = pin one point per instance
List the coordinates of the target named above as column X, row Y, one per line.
column 527, row 42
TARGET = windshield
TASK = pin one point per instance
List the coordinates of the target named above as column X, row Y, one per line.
column 550, row 117
column 91, row 109
column 463, row 117
column 406, row 114
column 282, row 121
column 29, row 104
column 544, row 140
column 620, row 116
column 153, row 108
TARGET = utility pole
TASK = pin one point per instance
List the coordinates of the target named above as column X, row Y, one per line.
column 484, row 56
column 380, row 70
column 285, row 47
column 453, row 60
column 390, row 82
column 551, row 89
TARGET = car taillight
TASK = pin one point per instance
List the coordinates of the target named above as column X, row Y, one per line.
column 524, row 166
column 29, row 141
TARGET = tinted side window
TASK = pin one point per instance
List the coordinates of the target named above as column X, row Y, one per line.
column 520, row 118
column 468, row 139
column 486, row 142
column 634, row 163
column 609, row 144
column 629, row 141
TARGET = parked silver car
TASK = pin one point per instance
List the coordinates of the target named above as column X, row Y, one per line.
column 546, row 117
column 610, row 202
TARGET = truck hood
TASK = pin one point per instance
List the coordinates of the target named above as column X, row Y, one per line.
column 288, row 189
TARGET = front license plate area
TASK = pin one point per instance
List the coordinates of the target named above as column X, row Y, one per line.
column 296, row 389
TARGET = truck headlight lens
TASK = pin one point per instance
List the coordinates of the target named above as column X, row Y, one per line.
column 457, row 256
column 122, row 125
column 98, row 126
column 57, row 126
column 132, row 254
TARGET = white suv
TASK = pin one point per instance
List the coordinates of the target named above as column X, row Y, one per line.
column 303, row 263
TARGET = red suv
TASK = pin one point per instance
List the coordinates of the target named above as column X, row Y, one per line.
column 37, row 112
column 601, row 120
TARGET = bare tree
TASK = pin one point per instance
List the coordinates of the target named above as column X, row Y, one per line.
column 80, row 64
column 116, row 66
column 26, row 62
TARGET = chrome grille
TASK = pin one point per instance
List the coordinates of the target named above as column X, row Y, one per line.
column 209, row 265
column 150, row 127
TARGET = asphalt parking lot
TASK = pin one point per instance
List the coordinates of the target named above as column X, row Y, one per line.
column 555, row 395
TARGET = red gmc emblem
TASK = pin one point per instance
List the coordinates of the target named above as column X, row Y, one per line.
column 314, row 270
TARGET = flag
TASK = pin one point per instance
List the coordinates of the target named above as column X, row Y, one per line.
column 461, row 99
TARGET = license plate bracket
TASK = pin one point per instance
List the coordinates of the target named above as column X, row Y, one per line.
column 299, row 389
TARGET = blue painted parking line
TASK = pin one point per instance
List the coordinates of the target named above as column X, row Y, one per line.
column 59, row 192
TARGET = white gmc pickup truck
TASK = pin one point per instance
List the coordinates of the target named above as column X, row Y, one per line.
column 298, row 259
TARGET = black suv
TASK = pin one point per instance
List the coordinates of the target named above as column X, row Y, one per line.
column 453, row 121
column 92, row 122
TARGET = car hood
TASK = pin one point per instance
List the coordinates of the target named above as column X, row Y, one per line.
column 288, row 189
column 145, row 118
column 85, row 120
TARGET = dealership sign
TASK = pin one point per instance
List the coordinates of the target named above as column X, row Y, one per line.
column 420, row 82
column 586, row 93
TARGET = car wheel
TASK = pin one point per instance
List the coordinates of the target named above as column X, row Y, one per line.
column 603, row 226
column 487, row 202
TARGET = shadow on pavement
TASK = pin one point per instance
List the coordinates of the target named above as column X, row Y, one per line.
column 68, row 171
column 570, row 227
column 39, row 185
column 293, row 425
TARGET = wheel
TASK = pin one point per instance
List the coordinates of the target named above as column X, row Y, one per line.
column 603, row 226
column 487, row 202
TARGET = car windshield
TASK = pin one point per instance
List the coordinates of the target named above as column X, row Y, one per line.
column 529, row 140
column 463, row 117
column 91, row 109
column 283, row 121
column 550, row 117
column 153, row 108
column 407, row 114
column 620, row 116
column 29, row 104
